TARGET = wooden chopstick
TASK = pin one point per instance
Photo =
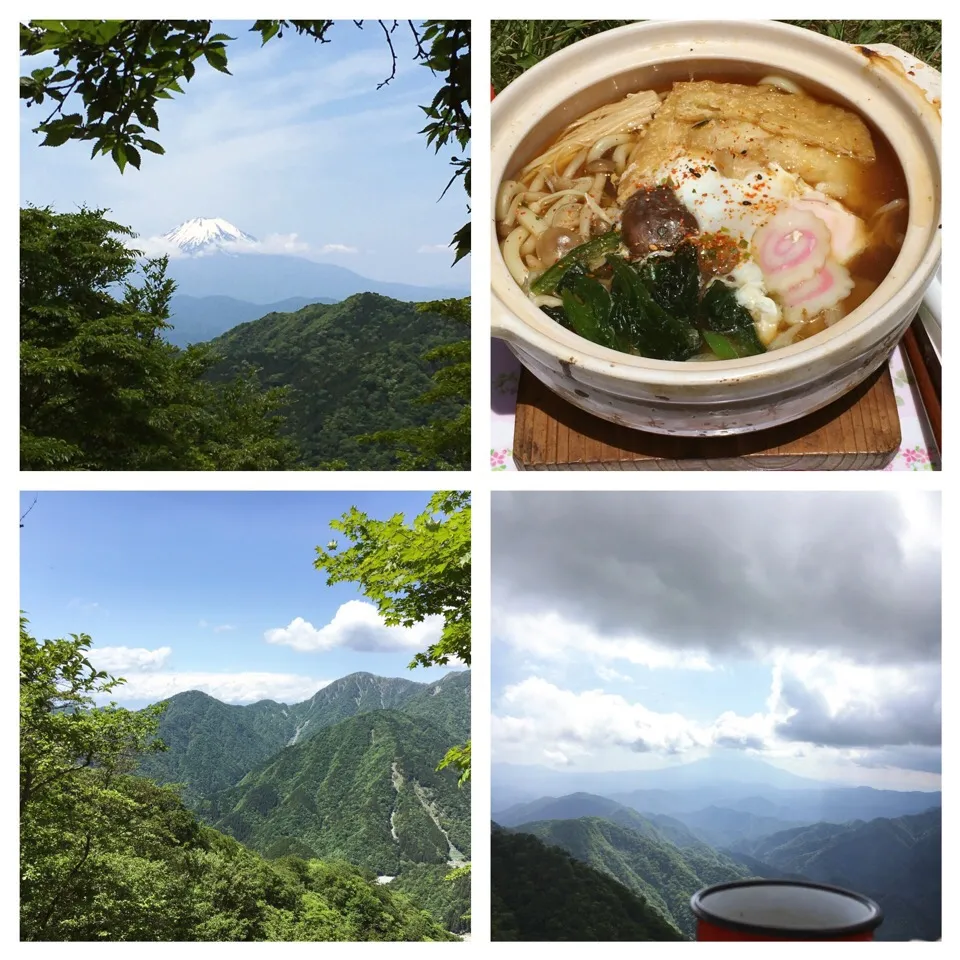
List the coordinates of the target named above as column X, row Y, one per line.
column 926, row 375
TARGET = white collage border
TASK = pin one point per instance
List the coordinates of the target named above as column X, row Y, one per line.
column 480, row 480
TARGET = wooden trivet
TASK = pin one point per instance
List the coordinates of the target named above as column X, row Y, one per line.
column 860, row 431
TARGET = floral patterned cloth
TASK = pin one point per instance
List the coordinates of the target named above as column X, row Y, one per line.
column 917, row 449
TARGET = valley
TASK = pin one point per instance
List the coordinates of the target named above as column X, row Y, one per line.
column 724, row 830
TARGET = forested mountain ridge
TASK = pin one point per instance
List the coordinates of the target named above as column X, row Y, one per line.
column 896, row 861
column 365, row 790
column 110, row 856
column 354, row 368
column 195, row 319
column 541, row 893
column 665, row 875
column 212, row 745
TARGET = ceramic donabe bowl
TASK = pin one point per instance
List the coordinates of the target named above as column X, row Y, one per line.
column 731, row 396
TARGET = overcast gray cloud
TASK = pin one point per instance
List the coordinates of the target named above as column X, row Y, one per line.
column 924, row 759
column 835, row 596
column 854, row 573
column 909, row 716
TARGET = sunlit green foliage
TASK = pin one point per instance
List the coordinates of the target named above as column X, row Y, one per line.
column 412, row 572
column 99, row 387
column 444, row 893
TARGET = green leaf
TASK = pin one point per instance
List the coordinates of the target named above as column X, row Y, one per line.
column 57, row 136
column 642, row 323
column 270, row 32
column 133, row 155
column 587, row 304
column 119, row 156
column 217, row 59
column 587, row 252
column 107, row 30
column 720, row 345
column 721, row 313
column 152, row 146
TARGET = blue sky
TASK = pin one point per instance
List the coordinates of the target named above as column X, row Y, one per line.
column 185, row 590
column 637, row 630
column 297, row 142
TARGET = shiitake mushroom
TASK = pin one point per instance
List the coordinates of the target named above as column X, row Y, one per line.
column 655, row 219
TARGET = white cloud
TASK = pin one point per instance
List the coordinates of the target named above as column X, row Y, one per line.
column 357, row 625
column 228, row 687
column 610, row 675
column 224, row 628
column 273, row 243
column 823, row 706
column 113, row 659
column 156, row 247
column 434, row 248
column 549, row 636
column 283, row 244
column 537, row 714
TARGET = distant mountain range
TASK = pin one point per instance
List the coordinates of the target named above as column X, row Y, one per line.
column 664, row 858
column 223, row 260
column 729, row 772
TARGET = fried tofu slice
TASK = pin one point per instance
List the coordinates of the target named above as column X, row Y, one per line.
column 746, row 127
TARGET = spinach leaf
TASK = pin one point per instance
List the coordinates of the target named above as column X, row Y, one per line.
column 587, row 252
column 720, row 345
column 674, row 282
column 640, row 321
column 558, row 314
column 720, row 313
column 587, row 306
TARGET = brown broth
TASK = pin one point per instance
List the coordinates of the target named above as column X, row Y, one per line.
column 882, row 181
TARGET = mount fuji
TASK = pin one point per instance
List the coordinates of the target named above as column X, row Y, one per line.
column 208, row 234
column 224, row 279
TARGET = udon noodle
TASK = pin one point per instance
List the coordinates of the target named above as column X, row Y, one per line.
column 711, row 221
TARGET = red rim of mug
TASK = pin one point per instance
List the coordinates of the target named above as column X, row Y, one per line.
column 873, row 919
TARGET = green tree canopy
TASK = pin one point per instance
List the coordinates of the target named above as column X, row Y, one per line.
column 411, row 572
column 99, row 387
column 444, row 443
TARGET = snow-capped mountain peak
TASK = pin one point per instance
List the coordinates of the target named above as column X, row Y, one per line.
column 204, row 234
